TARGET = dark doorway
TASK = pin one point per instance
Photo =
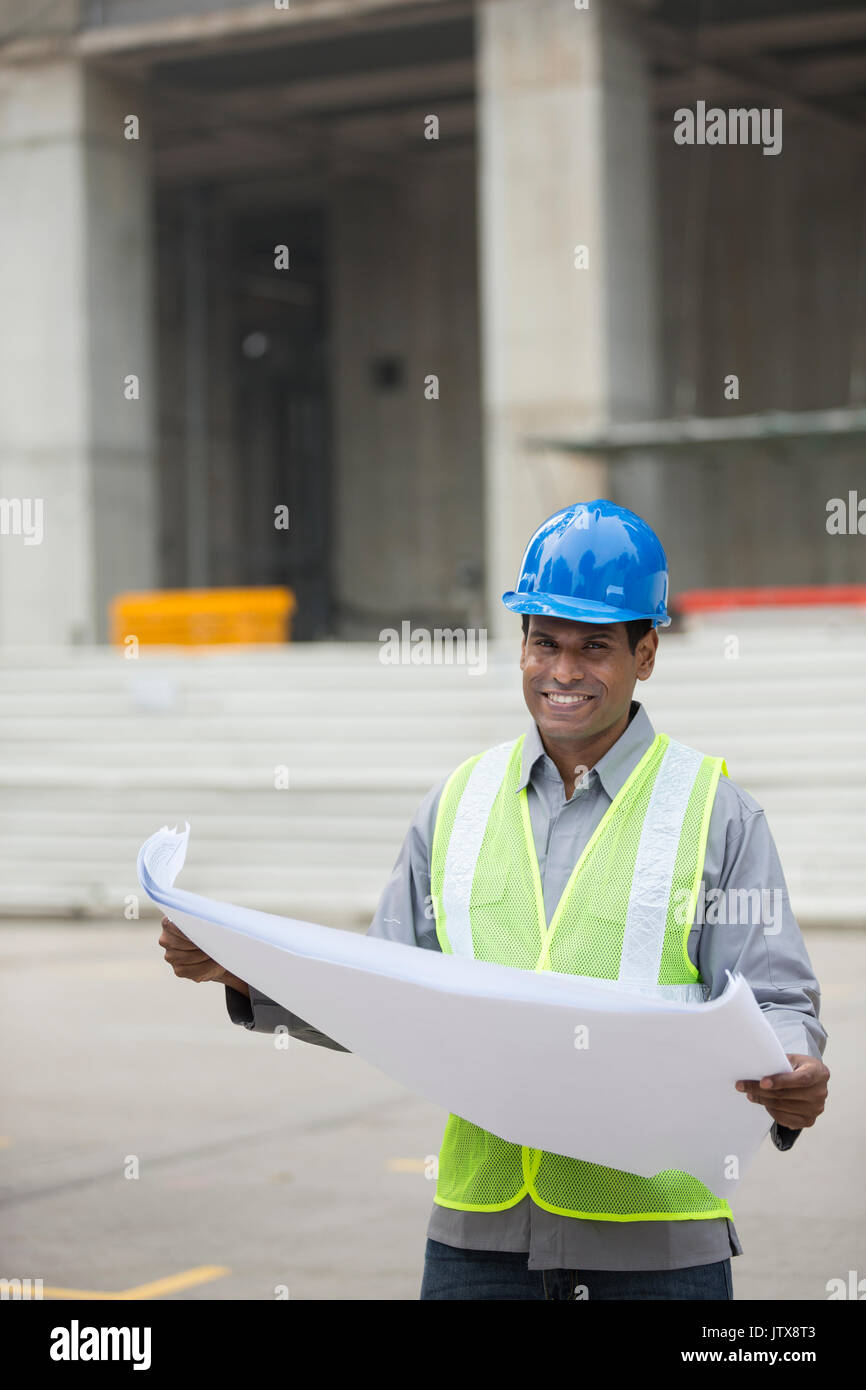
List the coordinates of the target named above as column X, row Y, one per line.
column 282, row 411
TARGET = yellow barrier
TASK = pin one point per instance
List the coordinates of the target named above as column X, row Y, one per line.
column 194, row 617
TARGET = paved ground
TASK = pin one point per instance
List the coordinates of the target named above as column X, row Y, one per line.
column 301, row 1170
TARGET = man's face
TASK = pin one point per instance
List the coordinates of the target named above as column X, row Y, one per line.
column 578, row 678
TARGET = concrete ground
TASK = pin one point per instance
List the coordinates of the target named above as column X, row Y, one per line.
column 300, row 1173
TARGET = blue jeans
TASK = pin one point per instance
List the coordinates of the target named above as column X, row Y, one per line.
column 500, row 1274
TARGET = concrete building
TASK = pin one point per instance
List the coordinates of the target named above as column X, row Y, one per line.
column 503, row 286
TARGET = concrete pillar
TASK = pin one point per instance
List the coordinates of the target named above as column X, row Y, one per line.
column 565, row 161
column 75, row 288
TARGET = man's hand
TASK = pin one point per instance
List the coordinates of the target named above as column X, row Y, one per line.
column 189, row 963
column 795, row 1098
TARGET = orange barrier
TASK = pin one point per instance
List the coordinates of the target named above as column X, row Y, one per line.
column 799, row 596
column 194, row 617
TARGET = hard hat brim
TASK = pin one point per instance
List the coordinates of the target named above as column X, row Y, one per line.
column 577, row 610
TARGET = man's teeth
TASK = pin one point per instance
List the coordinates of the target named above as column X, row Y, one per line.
column 567, row 699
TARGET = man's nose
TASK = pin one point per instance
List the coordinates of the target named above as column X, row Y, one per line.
column 567, row 668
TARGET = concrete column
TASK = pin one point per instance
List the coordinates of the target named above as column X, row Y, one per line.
column 76, row 294
column 565, row 150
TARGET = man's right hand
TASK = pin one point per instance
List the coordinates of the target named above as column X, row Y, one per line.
column 189, row 963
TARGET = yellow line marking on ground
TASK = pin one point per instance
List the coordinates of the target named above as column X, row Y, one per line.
column 186, row 1279
column 406, row 1165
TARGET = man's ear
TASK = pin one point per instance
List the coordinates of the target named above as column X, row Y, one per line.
column 523, row 637
column 645, row 654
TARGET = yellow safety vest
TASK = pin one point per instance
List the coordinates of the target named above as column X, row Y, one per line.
column 624, row 916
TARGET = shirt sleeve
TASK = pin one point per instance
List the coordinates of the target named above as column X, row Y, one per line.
column 404, row 913
column 749, row 927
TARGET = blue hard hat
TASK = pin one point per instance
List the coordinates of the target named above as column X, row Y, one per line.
column 593, row 562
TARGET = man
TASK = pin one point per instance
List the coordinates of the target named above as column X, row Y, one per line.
column 590, row 846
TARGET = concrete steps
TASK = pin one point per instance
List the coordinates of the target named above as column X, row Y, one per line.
column 97, row 752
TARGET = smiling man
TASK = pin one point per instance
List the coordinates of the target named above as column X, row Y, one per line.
column 573, row 848
column 578, row 680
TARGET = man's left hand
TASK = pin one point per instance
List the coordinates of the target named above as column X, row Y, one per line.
column 795, row 1098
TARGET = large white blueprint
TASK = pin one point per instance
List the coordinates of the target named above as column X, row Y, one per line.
column 649, row 1088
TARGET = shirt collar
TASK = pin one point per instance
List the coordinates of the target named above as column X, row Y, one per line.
column 618, row 763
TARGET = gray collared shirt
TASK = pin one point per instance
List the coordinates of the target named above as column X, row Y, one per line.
column 743, row 922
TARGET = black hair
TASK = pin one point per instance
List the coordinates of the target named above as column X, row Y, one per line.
column 635, row 629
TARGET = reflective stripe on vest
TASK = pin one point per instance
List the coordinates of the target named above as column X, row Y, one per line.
column 470, row 823
column 625, row 913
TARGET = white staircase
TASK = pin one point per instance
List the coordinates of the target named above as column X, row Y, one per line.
column 97, row 752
